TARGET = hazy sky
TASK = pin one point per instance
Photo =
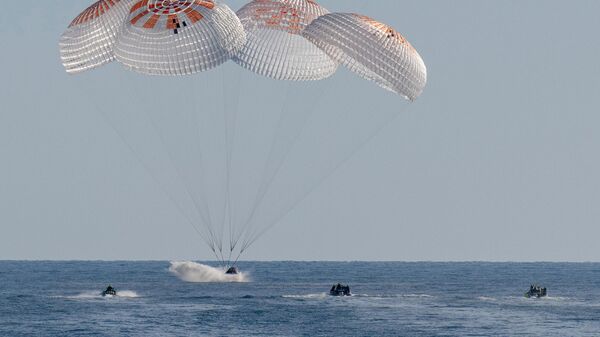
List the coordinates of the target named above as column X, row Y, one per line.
column 498, row 160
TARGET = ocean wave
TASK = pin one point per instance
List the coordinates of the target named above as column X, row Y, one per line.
column 199, row 273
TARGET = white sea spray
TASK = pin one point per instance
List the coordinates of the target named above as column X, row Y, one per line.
column 199, row 273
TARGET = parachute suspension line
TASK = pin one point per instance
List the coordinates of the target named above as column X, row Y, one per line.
column 218, row 244
column 267, row 178
column 230, row 113
column 180, row 175
column 274, row 163
column 231, row 247
column 196, row 122
column 186, row 186
column 312, row 188
column 248, row 241
column 226, row 198
column 230, row 215
column 205, row 89
column 232, row 144
column 227, row 163
column 269, row 173
column 206, row 237
column 237, row 258
column 138, row 158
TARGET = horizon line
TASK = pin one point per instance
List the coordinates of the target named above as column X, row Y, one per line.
column 304, row 261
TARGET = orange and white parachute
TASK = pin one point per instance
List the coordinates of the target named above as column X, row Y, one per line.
column 371, row 49
column 178, row 37
column 275, row 46
column 282, row 39
column 88, row 41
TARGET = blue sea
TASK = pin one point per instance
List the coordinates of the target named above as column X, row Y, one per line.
column 290, row 299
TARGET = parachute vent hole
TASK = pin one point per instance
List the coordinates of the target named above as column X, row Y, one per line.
column 184, row 24
column 175, row 31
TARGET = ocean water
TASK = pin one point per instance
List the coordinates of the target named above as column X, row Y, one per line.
column 290, row 299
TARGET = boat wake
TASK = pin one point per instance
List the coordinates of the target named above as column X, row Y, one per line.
column 325, row 295
column 199, row 273
column 98, row 295
column 307, row 296
column 127, row 294
column 522, row 300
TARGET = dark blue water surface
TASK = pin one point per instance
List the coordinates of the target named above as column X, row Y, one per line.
column 289, row 299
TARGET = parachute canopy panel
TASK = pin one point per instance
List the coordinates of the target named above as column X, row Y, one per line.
column 178, row 37
column 371, row 49
column 88, row 41
column 275, row 47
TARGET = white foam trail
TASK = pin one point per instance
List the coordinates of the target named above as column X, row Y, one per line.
column 98, row 295
column 127, row 294
column 416, row 295
column 326, row 295
column 86, row 295
column 308, row 296
column 200, row 273
column 384, row 296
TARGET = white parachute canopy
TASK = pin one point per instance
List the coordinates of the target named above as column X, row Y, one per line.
column 371, row 49
column 88, row 41
column 178, row 37
column 275, row 47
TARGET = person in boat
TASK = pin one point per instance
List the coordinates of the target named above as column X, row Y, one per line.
column 339, row 290
column 109, row 291
column 536, row 291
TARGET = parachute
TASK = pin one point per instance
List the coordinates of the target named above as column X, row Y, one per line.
column 371, row 49
column 275, row 46
column 178, row 37
column 89, row 40
column 236, row 152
